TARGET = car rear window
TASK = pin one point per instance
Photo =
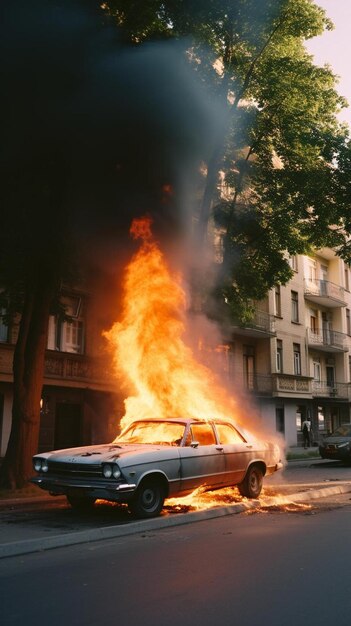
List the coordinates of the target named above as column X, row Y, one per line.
column 203, row 433
column 343, row 431
column 228, row 434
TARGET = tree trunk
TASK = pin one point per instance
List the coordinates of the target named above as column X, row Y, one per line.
column 28, row 371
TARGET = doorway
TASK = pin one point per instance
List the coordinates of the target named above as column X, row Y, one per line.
column 249, row 367
column 68, row 425
column 330, row 371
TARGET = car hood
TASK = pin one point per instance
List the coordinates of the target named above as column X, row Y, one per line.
column 336, row 440
column 92, row 455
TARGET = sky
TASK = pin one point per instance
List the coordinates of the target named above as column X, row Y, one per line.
column 334, row 47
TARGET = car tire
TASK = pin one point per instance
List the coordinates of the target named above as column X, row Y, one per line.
column 81, row 503
column 149, row 498
column 252, row 484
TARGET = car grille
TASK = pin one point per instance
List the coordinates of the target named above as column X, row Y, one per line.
column 76, row 470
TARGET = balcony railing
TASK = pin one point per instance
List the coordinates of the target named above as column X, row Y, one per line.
column 286, row 384
column 76, row 368
column 279, row 383
column 325, row 389
column 324, row 292
column 259, row 384
column 327, row 340
column 262, row 324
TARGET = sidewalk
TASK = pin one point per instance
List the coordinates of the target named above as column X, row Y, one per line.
column 299, row 452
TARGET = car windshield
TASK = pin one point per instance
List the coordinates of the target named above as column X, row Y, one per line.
column 342, row 431
column 159, row 433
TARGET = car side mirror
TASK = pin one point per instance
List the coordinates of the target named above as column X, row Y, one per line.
column 194, row 444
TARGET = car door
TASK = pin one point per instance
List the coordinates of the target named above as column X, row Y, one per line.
column 237, row 452
column 202, row 459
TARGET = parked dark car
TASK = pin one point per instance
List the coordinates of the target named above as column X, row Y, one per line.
column 155, row 459
column 337, row 445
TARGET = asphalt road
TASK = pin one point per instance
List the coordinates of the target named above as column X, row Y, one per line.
column 275, row 567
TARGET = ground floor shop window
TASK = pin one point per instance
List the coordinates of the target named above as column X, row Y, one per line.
column 298, row 420
column 321, row 418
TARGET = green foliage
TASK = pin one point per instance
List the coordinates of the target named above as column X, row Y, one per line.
column 284, row 155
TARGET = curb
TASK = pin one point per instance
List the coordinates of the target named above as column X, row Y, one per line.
column 97, row 534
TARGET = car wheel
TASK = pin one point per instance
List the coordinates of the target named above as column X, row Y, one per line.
column 252, row 484
column 149, row 498
column 81, row 503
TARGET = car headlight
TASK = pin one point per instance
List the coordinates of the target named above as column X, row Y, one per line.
column 107, row 470
column 44, row 465
column 344, row 445
column 37, row 464
column 116, row 471
column 110, row 470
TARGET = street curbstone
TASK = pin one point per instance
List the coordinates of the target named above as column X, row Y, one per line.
column 41, row 544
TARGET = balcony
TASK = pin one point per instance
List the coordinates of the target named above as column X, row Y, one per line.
column 286, row 384
column 324, row 293
column 279, row 385
column 76, row 370
column 64, row 369
column 340, row 391
column 327, row 340
column 261, row 325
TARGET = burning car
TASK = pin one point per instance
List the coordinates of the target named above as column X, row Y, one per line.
column 153, row 459
column 337, row 445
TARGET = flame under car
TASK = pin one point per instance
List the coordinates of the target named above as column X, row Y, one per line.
column 154, row 459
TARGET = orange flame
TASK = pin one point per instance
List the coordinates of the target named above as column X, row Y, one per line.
column 148, row 345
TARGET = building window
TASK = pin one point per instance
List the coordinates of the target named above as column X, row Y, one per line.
column 348, row 322
column 279, row 356
column 313, row 322
column 312, row 270
column 249, row 366
column 347, row 278
column 67, row 335
column 72, row 337
column 350, row 369
column 277, row 301
column 293, row 262
column 324, row 280
column 317, row 371
column 297, row 359
column 279, row 420
column 294, row 306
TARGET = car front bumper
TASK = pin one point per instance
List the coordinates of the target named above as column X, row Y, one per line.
column 339, row 454
column 104, row 490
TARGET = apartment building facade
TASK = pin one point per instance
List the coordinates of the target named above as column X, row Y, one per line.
column 292, row 361
column 80, row 402
column 295, row 358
